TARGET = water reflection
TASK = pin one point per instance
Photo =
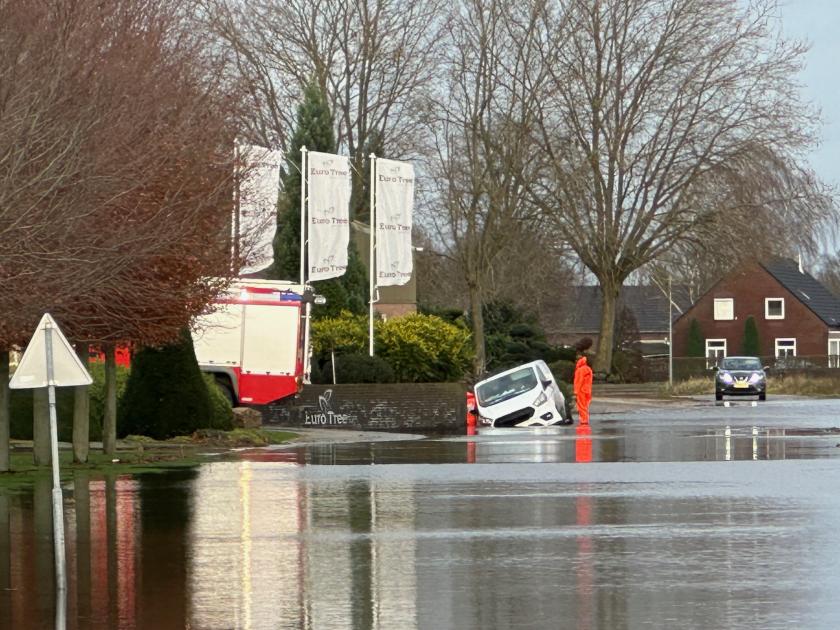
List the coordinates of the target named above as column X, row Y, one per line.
column 610, row 443
column 116, row 555
column 560, row 538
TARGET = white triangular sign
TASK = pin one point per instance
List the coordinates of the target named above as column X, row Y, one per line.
column 68, row 370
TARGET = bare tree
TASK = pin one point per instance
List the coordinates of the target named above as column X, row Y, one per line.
column 485, row 161
column 771, row 208
column 116, row 170
column 374, row 59
column 649, row 106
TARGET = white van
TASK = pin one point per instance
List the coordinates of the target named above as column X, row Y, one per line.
column 524, row 396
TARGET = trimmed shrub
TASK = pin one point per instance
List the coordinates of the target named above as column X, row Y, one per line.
column 417, row 347
column 424, row 348
column 750, row 344
column 166, row 394
column 696, row 341
column 356, row 368
column 221, row 413
column 346, row 334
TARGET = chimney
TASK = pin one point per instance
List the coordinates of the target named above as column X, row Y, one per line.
column 800, row 264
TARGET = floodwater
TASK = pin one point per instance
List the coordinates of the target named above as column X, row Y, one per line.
column 707, row 517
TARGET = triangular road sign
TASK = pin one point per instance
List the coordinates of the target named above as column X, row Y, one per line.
column 31, row 372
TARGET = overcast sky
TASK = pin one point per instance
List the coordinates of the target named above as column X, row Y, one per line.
column 818, row 22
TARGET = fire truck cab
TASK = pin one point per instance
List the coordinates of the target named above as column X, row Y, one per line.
column 253, row 341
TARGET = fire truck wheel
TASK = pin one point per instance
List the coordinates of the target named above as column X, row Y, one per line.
column 227, row 391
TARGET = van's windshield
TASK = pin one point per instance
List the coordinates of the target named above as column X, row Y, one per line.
column 506, row 386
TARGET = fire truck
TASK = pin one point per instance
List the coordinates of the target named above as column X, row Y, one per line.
column 254, row 341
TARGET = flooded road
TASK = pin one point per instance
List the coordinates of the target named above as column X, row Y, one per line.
column 698, row 517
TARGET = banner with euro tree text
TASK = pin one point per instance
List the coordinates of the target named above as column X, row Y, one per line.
column 394, row 215
column 329, row 214
column 258, row 193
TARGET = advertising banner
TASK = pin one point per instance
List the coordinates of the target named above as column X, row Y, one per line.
column 329, row 214
column 258, row 193
column 394, row 213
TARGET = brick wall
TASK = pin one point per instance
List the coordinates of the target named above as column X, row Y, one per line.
column 437, row 407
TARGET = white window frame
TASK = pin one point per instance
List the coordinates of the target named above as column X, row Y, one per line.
column 786, row 340
column 712, row 359
column 833, row 357
column 722, row 301
column 767, row 314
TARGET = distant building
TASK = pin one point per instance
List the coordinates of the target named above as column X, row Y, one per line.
column 648, row 304
column 796, row 315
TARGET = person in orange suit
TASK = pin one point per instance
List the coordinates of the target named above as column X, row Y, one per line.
column 583, row 381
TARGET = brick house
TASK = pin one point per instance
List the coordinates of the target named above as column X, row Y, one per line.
column 796, row 316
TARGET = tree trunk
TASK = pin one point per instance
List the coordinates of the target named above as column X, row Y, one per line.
column 480, row 361
column 5, row 418
column 603, row 357
column 109, row 424
column 81, row 413
column 41, row 451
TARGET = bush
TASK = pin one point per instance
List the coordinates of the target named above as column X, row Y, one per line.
column 417, row 347
column 21, row 406
column 424, row 348
column 346, row 333
column 166, row 394
column 627, row 366
column 356, row 368
column 568, row 394
column 221, row 413
column 563, row 370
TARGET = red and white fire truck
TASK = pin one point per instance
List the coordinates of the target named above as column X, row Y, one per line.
column 253, row 342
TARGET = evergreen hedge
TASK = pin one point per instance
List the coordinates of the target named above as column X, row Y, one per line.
column 696, row 341
column 355, row 368
column 750, row 345
column 166, row 394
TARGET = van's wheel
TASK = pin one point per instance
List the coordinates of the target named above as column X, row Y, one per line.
column 762, row 396
column 718, row 396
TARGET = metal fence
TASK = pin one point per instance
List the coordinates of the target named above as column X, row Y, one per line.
column 656, row 368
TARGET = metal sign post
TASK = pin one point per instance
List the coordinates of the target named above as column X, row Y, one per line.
column 57, row 500
column 50, row 361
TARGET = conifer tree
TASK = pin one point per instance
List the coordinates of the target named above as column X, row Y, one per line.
column 750, row 345
column 314, row 130
column 696, row 345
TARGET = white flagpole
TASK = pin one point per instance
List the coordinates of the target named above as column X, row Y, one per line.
column 372, row 260
column 303, row 248
column 302, row 212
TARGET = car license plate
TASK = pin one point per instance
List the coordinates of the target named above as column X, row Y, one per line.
column 740, row 384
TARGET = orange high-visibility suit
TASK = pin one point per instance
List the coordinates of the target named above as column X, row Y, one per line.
column 583, row 389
